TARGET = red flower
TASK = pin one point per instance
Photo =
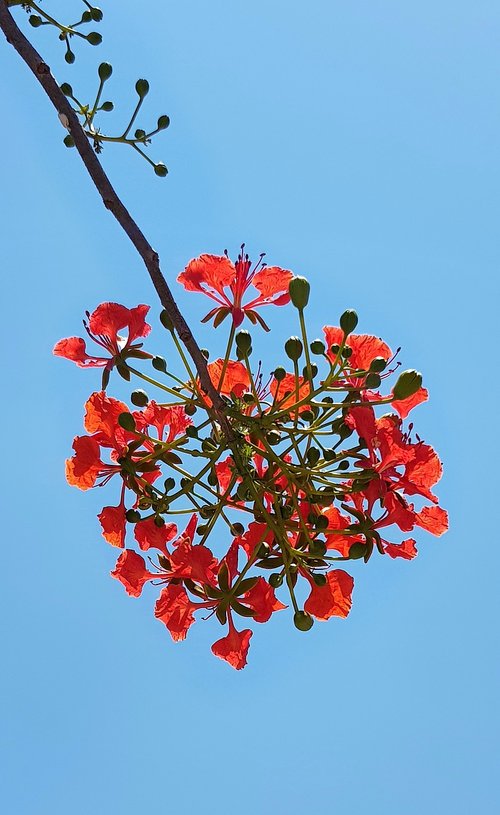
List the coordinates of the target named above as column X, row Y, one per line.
column 365, row 348
column 262, row 599
column 333, row 599
column 131, row 570
column 113, row 522
column 234, row 647
column 103, row 326
column 226, row 283
column 150, row 536
column 159, row 416
column 175, row 609
column 235, row 381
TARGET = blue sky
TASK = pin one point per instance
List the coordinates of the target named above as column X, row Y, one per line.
column 357, row 144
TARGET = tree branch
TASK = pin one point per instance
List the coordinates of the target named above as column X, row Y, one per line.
column 113, row 203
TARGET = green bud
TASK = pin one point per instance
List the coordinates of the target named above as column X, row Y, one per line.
column 273, row 437
column 139, row 398
column 166, row 321
column 321, row 522
column 317, row 347
column 161, row 170
column 329, row 454
column 96, row 14
column 279, row 374
column 248, row 398
column 313, row 456
column 313, row 369
column 299, row 289
column 302, row 620
column 293, row 348
column 357, row 551
column 94, row 38
column 159, row 364
column 132, row 516
column 163, row 122
column 105, row 70
column 205, row 352
column 348, row 321
column 237, row 529
column 69, row 57
column 275, row 580
column 191, row 431
column 378, row 364
column 69, row 141
column 320, row 579
column 169, row 484
column 372, row 381
column 243, row 341
column 307, row 416
column 139, row 134
column 190, row 409
column 86, row 17
column 67, row 89
column 317, row 548
column 347, row 352
column 408, row 383
column 127, row 421
column 34, row 20
column 107, row 107
column 142, row 87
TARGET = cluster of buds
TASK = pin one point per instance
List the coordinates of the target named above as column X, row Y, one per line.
column 308, row 479
column 39, row 17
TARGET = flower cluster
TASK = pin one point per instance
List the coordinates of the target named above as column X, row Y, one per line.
column 309, row 479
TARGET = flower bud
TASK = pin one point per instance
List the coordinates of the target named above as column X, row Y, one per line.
column 139, row 398
column 190, row 409
column 357, row 550
column 163, row 122
column 142, row 88
column 67, row 89
column 293, row 348
column 279, row 374
column 348, row 321
column 94, row 38
column 372, row 381
column 34, row 20
column 317, row 347
column 299, row 289
column 69, row 141
column 107, row 107
column 127, row 421
column 96, row 14
column 105, row 70
column 166, row 321
column 140, row 134
column 161, row 170
column 319, row 579
column 132, row 516
column 302, row 620
column 378, row 364
column 237, row 529
column 408, row 383
column 275, row 580
column 159, row 364
column 69, row 57
column 243, row 341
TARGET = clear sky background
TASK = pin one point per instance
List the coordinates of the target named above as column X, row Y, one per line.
column 356, row 143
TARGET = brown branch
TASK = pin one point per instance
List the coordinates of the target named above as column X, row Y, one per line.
column 112, row 202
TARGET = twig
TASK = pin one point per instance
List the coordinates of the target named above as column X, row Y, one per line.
column 112, row 202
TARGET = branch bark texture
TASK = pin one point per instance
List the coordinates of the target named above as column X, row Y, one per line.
column 113, row 203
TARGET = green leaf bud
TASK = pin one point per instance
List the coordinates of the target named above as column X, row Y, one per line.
column 408, row 383
column 302, row 620
column 127, row 421
column 293, row 348
column 139, row 398
column 94, row 38
column 161, row 170
column 348, row 321
column 163, row 122
column 299, row 289
column 317, row 347
column 105, row 70
column 142, row 88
